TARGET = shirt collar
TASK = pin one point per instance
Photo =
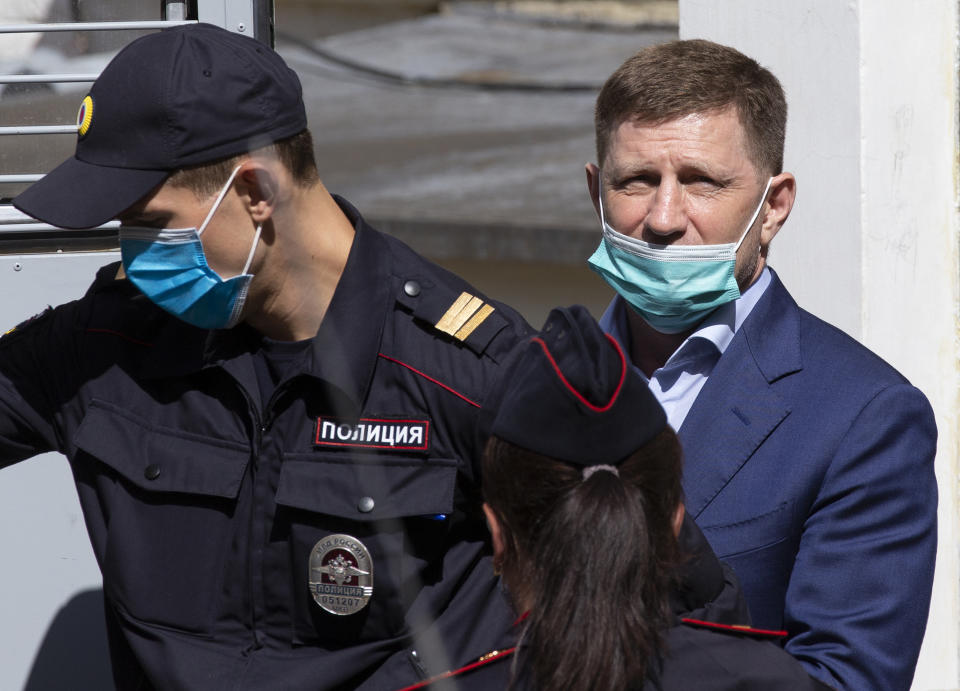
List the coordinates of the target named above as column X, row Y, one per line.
column 718, row 328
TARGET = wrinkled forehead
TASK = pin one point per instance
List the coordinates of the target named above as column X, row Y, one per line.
column 713, row 138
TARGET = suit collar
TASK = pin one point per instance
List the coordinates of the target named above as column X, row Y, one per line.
column 738, row 408
column 773, row 332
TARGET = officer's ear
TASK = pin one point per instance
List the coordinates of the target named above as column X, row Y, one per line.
column 258, row 186
column 496, row 534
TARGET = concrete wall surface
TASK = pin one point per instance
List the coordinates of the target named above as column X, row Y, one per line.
column 872, row 243
column 54, row 634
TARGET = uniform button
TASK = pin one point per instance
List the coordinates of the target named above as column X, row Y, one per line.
column 366, row 504
column 411, row 288
column 152, row 471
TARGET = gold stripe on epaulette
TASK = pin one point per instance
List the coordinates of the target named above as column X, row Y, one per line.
column 475, row 321
column 484, row 658
column 458, row 314
column 452, row 312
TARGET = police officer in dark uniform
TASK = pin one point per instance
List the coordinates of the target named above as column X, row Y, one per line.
column 582, row 486
column 270, row 409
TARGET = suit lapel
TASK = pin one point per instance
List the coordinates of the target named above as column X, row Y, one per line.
column 738, row 407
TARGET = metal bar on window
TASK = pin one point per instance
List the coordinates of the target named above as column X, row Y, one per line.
column 46, row 78
column 175, row 10
column 18, row 178
column 90, row 26
column 38, row 129
column 8, row 228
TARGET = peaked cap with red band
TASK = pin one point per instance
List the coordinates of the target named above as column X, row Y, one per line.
column 573, row 396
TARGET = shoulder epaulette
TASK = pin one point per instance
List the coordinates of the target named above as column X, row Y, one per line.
column 464, row 317
column 734, row 628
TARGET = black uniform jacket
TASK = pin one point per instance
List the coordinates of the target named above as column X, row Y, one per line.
column 709, row 647
column 204, row 491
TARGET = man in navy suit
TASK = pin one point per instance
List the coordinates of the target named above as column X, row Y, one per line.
column 809, row 461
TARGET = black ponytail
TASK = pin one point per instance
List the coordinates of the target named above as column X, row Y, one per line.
column 592, row 559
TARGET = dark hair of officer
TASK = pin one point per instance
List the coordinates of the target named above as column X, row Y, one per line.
column 671, row 80
column 582, row 476
column 295, row 153
column 591, row 559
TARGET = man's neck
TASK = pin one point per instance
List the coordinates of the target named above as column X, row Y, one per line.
column 650, row 349
column 311, row 241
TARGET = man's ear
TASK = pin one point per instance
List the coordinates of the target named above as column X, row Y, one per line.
column 258, row 185
column 783, row 192
column 496, row 535
column 593, row 185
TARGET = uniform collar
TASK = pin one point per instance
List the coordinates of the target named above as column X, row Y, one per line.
column 344, row 351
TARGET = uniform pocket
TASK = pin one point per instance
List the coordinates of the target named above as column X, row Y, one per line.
column 396, row 507
column 168, row 511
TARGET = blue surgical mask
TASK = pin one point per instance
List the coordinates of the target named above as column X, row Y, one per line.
column 673, row 287
column 170, row 268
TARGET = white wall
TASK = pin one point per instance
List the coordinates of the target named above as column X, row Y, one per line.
column 872, row 243
column 52, row 633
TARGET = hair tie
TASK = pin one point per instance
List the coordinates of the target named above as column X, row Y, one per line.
column 591, row 469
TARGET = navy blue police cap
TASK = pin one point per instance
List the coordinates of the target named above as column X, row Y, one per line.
column 572, row 395
column 179, row 97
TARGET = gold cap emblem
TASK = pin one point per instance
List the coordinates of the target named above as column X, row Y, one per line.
column 85, row 116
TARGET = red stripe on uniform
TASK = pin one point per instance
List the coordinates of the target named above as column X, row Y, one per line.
column 730, row 627
column 455, row 672
column 429, row 378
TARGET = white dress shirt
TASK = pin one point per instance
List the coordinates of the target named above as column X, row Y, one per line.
column 677, row 384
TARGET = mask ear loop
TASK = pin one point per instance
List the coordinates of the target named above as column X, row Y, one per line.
column 218, row 201
column 253, row 248
column 600, row 196
column 753, row 219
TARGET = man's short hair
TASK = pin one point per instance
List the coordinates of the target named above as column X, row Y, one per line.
column 671, row 80
column 295, row 153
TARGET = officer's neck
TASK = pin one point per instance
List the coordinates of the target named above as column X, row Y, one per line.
column 650, row 349
column 307, row 251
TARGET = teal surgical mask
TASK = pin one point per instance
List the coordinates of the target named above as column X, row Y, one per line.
column 673, row 287
column 170, row 268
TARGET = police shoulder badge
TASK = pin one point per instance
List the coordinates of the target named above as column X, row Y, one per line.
column 341, row 574
column 85, row 116
column 21, row 328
